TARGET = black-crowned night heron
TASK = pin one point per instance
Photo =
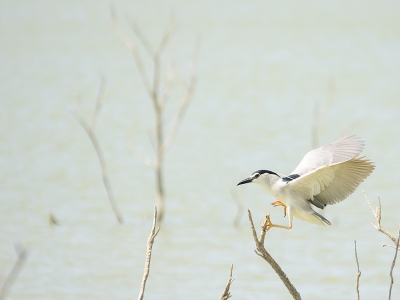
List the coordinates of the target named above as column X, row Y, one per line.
column 326, row 175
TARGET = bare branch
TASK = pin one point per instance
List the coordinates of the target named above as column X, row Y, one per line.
column 378, row 216
column 150, row 243
column 157, row 102
column 104, row 171
column 164, row 41
column 226, row 295
column 99, row 103
column 22, row 255
column 158, row 89
column 359, row 272
column 142, row 39
column 169, row 77
column 390, row 246
column 266, row 256
column 132, row 47
column 393, row 263
column 185, row 102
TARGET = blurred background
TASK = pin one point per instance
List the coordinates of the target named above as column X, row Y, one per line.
column 265, row 70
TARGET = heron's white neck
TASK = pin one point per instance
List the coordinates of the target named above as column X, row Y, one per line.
column 270, row 184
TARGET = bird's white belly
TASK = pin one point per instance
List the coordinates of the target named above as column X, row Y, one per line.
column 301, row 209
column 296, row 206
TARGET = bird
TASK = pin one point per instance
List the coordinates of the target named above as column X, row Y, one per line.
column 325, row 176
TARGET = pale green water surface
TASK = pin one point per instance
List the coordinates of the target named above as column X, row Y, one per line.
column 262, row 66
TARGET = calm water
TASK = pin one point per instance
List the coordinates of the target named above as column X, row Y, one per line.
column 262, row 67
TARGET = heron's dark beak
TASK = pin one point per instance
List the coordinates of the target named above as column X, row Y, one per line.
column 247, row 180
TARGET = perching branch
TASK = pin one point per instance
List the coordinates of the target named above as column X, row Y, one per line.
column 226, row 294
column 393, row 263
column 266, row 256
column 158, row 87
column 359, row 272
column 22, row 254
column 378, row 216
column 150, row 243
column 90, row 130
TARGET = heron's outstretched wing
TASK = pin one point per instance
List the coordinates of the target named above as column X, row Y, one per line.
column 331, row 173
column 337, row 152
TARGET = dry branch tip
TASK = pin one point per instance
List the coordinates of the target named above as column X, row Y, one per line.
column 226, row 294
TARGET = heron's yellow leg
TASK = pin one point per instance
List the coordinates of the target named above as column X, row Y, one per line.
column 267, row 224
column 279, row 203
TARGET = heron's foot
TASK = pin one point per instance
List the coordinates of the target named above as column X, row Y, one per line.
column 267, row 224
column 279, row 203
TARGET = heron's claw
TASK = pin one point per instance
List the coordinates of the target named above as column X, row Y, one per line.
column 279, row 203
column 267, row 224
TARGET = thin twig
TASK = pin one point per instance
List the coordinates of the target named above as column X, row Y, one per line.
column 185, row 102
column 266, row 256
column 226, row 294
column 22, row 254
column 157, row 101
column 142, row 39
column 393, row 264
column 378, row 216
column 359, row 272
column 390, row 246
column 132, row 47
column 93, row 138
column 150, row 243
column 99, row 103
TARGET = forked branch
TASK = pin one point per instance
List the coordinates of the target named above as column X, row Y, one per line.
column 90, row 130
column 187, row 98
column 22, row 254
column 150, row 243
column 158, row 87
column 266, row 256
column 378, row 216
column 226, row 294
column 132, row 47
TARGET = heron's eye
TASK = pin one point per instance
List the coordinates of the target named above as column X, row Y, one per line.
column 256, row 175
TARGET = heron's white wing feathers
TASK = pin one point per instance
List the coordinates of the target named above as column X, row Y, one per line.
column 331, row 173
column 331, row 183
column 339, row 151
column 348, row 176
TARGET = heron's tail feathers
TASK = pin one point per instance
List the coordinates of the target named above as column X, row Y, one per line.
column 322, row 218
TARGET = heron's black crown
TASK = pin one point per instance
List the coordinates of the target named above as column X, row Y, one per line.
column 265, row 171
